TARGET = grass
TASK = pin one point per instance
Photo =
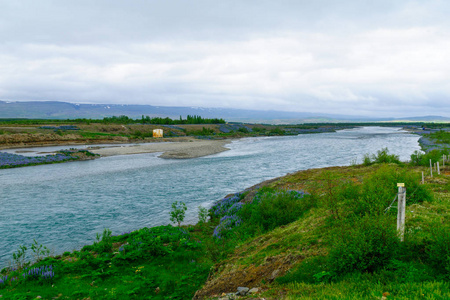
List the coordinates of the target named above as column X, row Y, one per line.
column 442, row 137
column 162, row 262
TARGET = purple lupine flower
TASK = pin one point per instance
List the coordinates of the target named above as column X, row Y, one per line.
column 226, row 223
column 14, row 160
column 221, row 207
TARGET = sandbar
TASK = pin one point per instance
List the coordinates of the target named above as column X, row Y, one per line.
column 179, row 150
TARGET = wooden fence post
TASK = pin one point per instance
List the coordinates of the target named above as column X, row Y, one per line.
column 401, row 210
column 439, row 171
column 431, row 169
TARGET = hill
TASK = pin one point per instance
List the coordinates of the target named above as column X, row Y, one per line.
column 64, row 110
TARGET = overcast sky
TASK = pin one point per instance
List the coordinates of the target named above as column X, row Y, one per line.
column 368, row 58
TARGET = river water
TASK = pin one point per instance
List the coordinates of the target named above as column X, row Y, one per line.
column 63, row 206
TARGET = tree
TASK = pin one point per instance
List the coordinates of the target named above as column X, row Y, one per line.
column 178, row 212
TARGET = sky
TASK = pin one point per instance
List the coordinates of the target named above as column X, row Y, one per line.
column 363, row 58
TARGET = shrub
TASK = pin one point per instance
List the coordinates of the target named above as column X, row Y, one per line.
column 366, row 245
column 178, row 212
column 423, row 159
column 277, row 131
column 336, row 192
column 417, row 157
column 102, row 244
column 39, row 251
column 202, row 214
column 382, row 156
column 221, row 207
column 438, row 249
column 271, row 209
column 268, row 210
column 19, row 257
column 366, row 160
column 378, row 191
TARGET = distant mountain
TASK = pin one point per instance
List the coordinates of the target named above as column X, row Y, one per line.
column 425, row 119
column 65, row 110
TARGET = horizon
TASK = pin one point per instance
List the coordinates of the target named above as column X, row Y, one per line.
column 349, row 58
column 331, row 118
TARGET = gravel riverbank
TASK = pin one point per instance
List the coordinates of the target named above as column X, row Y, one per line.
column 186, row 149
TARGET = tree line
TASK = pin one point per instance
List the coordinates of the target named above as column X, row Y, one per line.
column 119, row 120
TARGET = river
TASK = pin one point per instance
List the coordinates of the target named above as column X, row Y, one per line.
column 63, row 206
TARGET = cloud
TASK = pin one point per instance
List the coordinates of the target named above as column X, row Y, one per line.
column 352, row 57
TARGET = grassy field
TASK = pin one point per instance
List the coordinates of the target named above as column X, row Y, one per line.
column 441, row 137
column 315, row 234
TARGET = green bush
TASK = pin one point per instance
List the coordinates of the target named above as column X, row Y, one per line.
column 337, row 192
column 102, row 244
column 277, row 131
column 438, row 249
column 381, row 157
column 365, row 245
column 202, row 214
column 416, row 158
column 423, row 159
column 271, row 209
column 178, row 212
column 380, row 189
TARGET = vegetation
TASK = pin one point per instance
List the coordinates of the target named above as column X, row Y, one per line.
column 8, row 160
column 117, row 120
column 178, row 212
column 441, row 137
column 382, row 156
column 419, row 158
column 315, row 234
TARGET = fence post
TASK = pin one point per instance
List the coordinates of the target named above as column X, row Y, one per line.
column 401, row 210
column 431, row 169
column 439, row 171
column 423, row 179
column 443, row 160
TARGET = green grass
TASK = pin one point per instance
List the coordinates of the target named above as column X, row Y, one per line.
column 159, row 263
column 442, row 137
column 97, row 135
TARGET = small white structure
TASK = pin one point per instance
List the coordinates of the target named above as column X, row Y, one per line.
column 157, row 133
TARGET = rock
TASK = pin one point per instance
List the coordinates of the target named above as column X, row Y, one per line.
column 253, row 291
column 274, row 274
column 231, row 296
column 242, row 291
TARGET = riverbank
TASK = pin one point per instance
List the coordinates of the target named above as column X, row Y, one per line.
column 190, row 148
column 431, row 139
column 8, row 160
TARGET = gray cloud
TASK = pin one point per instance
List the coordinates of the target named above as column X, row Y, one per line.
column 350, row 57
